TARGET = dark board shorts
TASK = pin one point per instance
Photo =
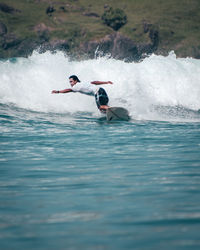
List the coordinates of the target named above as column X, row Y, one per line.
column 101, row 97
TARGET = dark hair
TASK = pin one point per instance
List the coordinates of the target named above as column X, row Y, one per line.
column 75, row 78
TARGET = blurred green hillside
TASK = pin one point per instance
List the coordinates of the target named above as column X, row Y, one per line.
column 76, row 26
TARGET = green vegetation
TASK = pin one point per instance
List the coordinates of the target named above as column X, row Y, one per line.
column 77, row 22
column 115, row 18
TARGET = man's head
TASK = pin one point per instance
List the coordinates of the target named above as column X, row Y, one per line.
column 73, row 80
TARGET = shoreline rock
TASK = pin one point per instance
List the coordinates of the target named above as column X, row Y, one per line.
column 3, row 29
column 115, row 45
column 121, row 47
column 8, row 9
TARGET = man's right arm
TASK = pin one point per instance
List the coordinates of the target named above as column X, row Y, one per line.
column 61, row 91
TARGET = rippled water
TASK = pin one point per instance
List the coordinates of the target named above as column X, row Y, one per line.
column 71, row 180
column 79, row 182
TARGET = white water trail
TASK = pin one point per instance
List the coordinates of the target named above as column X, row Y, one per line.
column 147, row 89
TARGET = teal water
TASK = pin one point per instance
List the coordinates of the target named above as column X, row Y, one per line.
column 71, row 180
column 76, row 182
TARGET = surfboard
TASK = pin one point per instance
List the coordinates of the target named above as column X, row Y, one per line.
column 117, row 113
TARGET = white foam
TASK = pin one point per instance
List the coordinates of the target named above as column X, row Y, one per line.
column 156, row 81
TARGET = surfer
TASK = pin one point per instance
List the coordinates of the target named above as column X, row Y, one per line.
column 100, row 94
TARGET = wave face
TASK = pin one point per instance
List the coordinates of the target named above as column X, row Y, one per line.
column 158, row 88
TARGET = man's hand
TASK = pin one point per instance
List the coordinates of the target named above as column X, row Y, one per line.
column 54, row 92
column 109, row 82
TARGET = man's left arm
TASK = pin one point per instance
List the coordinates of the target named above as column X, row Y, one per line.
column 100, row 82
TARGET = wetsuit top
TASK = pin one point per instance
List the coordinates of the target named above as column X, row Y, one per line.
column 85, row 88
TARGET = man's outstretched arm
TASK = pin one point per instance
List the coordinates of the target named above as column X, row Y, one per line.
column 100, row 82
column 61, row 91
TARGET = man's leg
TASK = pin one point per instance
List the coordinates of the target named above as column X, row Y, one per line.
column 104, row 107
column 102, row 100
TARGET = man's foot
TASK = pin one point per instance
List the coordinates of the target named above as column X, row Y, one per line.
column 103, row 108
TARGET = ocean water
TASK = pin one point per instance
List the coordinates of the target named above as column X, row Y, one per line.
column 71, row 180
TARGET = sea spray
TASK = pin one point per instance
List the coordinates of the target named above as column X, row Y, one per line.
column 151, row 89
